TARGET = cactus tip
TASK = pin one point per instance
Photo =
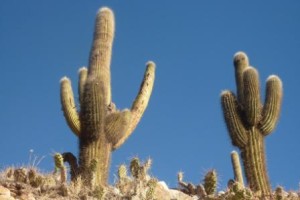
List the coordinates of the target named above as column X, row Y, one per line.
column 233, row 152
column 240, row 54
column 64, row 79
column 251, row 68
column 104, row 9
column 273, row 77
column 225, row 92
column 150, row 63
column 82, row 69
column 240, row 57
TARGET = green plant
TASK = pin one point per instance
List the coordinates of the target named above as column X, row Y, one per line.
column 249, row 121
column 99, row 126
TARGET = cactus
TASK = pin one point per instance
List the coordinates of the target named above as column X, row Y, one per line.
column 59, row 166
column 152, row 183
column 237, row 170
column 210, row 182
column 72, row 160
column 279, row 193
column 248, row 121
column 122, row 172
column 140, row 171
column 208, row 188
column 100, row 127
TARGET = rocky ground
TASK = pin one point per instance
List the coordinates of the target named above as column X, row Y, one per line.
column 27, row 183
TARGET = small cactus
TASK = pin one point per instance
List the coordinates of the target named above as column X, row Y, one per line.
column 138, row 170
column 238, row 192
column 139, row 185
column 122, row 172
column 249, row 121
column 135, row 167
column 207, row 188
column 152, row 183
column 59, row 166
column 20, row 175
column 35, row 179
column 279, row 193
column 237, row 170
column 210, row 182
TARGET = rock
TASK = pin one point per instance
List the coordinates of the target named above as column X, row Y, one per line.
column 5, row 194
column 162, row 191
column 178, row 195
column 27, row 196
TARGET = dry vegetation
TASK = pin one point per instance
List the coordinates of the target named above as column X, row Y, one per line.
column 27, row 183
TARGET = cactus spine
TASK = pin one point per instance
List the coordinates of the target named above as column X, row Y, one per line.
column 100, row 127
column 248, row 121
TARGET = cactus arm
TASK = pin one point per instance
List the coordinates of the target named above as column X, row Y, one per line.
column 72, row 161
column 116, row 125
column 234, row 124
column 140, row 103
column 237, row 170
column 81, row 83
column 59, row 164
column 271, row 109
column 251, row 102
column 68, row 106
column 240, row 62
column 100, row 55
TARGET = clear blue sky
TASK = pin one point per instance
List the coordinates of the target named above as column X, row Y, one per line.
column 192, row 43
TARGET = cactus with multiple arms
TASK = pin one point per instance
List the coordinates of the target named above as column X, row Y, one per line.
column 248, row 121
column 100, row 127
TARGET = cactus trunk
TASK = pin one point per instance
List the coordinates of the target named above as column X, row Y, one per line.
column 94, row 161
column 253, row 157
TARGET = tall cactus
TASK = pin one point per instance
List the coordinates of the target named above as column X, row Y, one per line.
column 100, row 127
column 249, row 121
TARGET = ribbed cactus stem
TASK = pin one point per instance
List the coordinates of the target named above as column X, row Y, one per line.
column 100, row 55
column 72, row 161
column 59, row 165
column 249, row 121
column 251, row 101
column 81, row 83
column 141, row 102
column 122, row 172
column 68, row 105
column 237, row 169
column 100, row 127
column 210, row 182
column 135, row 167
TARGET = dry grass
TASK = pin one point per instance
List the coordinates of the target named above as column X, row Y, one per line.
column 27, row 183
